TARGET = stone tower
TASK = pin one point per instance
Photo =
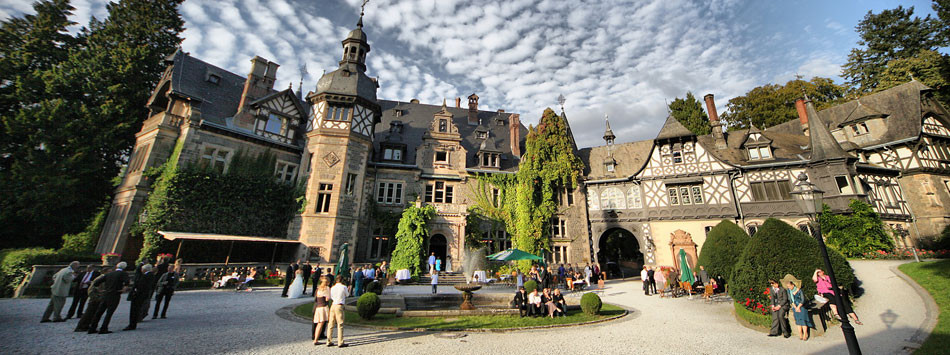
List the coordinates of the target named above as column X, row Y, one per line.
column 344, row 115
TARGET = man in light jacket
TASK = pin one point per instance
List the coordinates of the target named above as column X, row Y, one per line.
column 59, row 291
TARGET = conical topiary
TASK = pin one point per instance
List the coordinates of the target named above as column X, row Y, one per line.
column 722, row 248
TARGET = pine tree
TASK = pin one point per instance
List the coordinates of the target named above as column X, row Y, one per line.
column 689, row 112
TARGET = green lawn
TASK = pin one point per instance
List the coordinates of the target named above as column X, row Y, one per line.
column 934, row 276
column 468, row 322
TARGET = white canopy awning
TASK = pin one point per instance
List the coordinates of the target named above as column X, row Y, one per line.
column 222, row 237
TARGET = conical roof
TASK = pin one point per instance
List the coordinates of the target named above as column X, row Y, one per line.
column 672, row 128
column 823, row 144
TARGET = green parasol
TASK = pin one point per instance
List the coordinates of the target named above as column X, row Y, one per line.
column 687, row 274
column 513, row 254
column 343, row 267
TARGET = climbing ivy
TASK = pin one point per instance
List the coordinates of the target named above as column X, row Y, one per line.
column 410, row 238
column 526, row 201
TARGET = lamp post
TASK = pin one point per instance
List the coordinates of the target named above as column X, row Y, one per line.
column 810, row 199
column 903, row 233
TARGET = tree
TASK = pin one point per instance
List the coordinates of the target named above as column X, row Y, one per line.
column 857, row 233
column 69, row 117
column 410, row 239
column 942, row 8
column 772, row 104
column 689, row 112
column 928, row 66
column 719, row 254
column 889, row 35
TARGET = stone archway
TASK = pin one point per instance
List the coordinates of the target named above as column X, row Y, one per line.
column 438, row 244
column 621, row 247
column 679, row 239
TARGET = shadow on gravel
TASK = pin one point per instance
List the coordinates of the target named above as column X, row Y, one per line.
column 381, row 337
column 877, row 343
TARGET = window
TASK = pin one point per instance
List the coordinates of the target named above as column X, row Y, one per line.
column 285, row 171
column 214, row 79
column 442, row 157
column 771, row 190
column 947, row 184
column 844, row 185
column 323, row 198
column 495, row 196
column 558, row 228
column 439, row 192
column 338, row 113
column 612, row 198
column 497, row 240
column 443, row 125
column 379, row 249
column 489, row 160
column 592, row 202
column 686, row 195
column 859, row 128
column 707, row 229
column 677, row 157
column 350, row 183
column 570, row 197
column 633, row 197
column 394, row 154
column 214, row 158
column 756, row 153
column 273, row 124
column 389, row 193
column 482, row 135
column 752, row 228
column 560, row 254
column 609, row 166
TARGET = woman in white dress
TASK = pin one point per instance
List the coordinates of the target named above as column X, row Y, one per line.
column 296, row 288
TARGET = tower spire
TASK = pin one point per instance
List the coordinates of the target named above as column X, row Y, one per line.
column 362, row 10
column 608, row 134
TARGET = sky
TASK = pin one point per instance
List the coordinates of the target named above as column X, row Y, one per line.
column 618, row 58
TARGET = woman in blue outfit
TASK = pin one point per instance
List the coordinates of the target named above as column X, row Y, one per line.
column 796, row 300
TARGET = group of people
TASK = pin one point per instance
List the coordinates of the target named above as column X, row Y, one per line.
column 365, row 275
column 303, row 272
column 658, row 280
column 435, row 263
column 539, row 304
column 328, row 309
column 97, row 293
column 788, row 295
column 568, row 276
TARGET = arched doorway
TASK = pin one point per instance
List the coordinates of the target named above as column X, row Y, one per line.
column 619, row 250
column 439, row 246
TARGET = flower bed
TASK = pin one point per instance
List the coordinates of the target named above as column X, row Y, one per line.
column 906, row 254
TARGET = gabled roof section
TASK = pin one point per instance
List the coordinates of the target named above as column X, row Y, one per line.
column 754, row 137
column 290, row 99
column 823, row 144
column 672, row 128
column 216, row 101
column 861, row 112
column 630, row 157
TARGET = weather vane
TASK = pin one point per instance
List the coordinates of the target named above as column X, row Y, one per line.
column 362, row 9
column 561, row 100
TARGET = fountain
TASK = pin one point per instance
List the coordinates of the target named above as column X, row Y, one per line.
column 467, row 290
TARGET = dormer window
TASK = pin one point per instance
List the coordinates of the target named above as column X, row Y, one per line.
column 214, row 79
column 443, row 125
column 392, row 154
column 859, row 128
column 442, row 157
column 489, row 160
column 610, row 166
column 399, row 113
column 273, row 124
column 482, row 135
column 758, row 153
column 677, row 153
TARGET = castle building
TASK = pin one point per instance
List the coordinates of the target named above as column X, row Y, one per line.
column 359, row 155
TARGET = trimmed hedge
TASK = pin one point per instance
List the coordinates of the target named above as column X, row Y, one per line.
column 368, row 305
column 375, row 287
column 780, row 249
column 753, row 318
column 722, row 249
column 591, row 303
column 16, row 264
column 530, row 286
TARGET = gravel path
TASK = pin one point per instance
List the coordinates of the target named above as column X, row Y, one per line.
column 202, row 322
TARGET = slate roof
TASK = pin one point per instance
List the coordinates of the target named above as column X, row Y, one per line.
column 823, row 145
column 672, row 128
column 348, row 79
column 417, row 118
column 215, row 101
column 630, row 158
column 785, row 147
column 901, row 106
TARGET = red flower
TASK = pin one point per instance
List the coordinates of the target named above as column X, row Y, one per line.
column 766, row 292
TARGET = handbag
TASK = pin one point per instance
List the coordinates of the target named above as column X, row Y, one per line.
column 819, row 299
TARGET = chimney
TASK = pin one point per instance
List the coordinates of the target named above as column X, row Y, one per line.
column 514, row 133
column 802, row 115
column 473, row 110
column 458, row 102
column 259, row 81
column 271, row 75
column 714, row 122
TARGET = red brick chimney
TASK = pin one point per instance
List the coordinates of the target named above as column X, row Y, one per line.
column 514, row 133
column 802, row 114
column 473, row 110
column 714, row 122
column 458, row 102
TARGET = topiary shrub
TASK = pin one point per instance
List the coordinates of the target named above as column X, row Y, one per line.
column 368, row 305
column 776, row 250
column 375, row 287
column 722, row 248
column 591, row 303
column 530, row 286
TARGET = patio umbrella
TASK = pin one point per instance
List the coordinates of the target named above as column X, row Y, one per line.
column 687, row 274
column 343, row 267
column 513, row 254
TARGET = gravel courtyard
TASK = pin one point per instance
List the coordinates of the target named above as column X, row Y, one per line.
column 206, row 322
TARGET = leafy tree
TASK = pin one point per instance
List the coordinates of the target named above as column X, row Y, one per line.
column 942, row 8
column 928, row 66
column 860, row 232
column 410, row 238
column 886, row 36
column 71, row 109
column 772, row 104
column 689, row 112
column 719, row 254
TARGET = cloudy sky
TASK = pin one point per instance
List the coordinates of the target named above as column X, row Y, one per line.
column 626, row 59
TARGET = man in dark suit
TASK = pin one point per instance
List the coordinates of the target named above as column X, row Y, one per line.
column 81, row 291
column 115, row 283
column 289, row 277
column 521, row 301
column 651, row 274
column 140, row 295
column 317, row 272
column 779, row 309
column 307, row 269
